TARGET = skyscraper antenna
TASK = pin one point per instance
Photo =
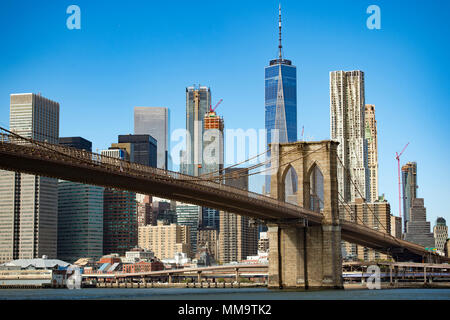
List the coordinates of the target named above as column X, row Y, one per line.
column 279, row 29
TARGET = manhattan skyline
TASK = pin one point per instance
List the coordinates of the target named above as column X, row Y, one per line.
column 140, row 54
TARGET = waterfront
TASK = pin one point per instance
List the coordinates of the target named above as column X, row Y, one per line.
column 254, row 294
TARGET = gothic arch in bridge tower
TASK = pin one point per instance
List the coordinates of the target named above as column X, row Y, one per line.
column 303, row 254
column 289, row 186
column 316, row 188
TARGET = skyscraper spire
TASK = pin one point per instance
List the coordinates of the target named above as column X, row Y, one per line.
column 279, row 29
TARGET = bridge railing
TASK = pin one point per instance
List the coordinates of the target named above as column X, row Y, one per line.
column 126, row 167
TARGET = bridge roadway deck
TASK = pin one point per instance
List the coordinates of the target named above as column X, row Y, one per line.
column 85, row 167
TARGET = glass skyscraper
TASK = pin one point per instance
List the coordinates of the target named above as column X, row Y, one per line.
column 155, row 122
column 198, row 100
column 80, row 214
column 281, row 105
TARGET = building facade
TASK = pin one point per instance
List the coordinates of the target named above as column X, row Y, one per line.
column 213, row 160
column 238, row 238
column 198, row 101
column 188, row 215
column 280, row 86
column 29, row 203
column 375, row 215
column 80, row 214
column 418, row 228
column 440, row 231
column 120, row 223
column 76, row 142
column 409, row 188
column 396, row 226
column 372, row 150
column 207, row 239
column 144, row 148
column 347, row 115
column 145, row 215
column 154, row 121
column 165, row 240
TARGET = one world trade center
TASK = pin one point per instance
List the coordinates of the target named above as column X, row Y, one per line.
column 281, row 110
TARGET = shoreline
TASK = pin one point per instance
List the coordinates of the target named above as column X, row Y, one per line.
column 223, row 285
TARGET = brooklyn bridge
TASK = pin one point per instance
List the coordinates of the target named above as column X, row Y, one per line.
column 304, row 238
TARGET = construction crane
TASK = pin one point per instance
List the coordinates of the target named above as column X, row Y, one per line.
column 397, row 156
column 211, row 109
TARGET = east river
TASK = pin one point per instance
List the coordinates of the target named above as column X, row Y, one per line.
column 221, row 294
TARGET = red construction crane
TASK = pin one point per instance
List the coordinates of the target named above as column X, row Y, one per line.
column 211, row 109
column 397, row 156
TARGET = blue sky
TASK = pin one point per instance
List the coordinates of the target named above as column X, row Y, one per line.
column 145, row 53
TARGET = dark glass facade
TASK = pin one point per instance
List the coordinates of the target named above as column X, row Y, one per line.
column 76, row 142
column 144, row 148
column 80, row 214
column 120, row 224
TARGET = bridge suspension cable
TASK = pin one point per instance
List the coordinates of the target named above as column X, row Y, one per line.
column 364, row 200
column 232, row 175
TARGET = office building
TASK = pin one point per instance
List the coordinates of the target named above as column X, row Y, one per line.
column 213, row 159
column 238, row 237
column 213, row 144
column 116, row 153
column 143, row 148
column 263, row 242
column 396, row 226
column 280, row 84
column 76, row 142
column 375, row 215
column 372, row 150
column 29, row 203
column 165, row 240
column 120, row 223
column 188, row 215
column 198, row 101
column 145, row 215
column 347, row 117
column 409, row 188
column 440, row 231
column 418, row 228
column 207, row 240
column 164, row 211
column 80, row 214
column 155, row 121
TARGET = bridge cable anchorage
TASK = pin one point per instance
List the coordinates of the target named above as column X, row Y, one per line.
column 231, row 176
column 364, row 202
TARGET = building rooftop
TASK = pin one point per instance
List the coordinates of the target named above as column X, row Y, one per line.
column 39, row 263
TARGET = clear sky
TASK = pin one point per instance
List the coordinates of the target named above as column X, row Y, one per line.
column 145, row 53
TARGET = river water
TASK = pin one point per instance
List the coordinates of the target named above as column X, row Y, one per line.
column 221, row 294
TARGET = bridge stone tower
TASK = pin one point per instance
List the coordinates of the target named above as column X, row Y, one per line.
column 303, row 255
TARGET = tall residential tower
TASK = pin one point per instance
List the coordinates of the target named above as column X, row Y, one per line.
column 409, row 186
column 372, row 150
column 347, row 117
